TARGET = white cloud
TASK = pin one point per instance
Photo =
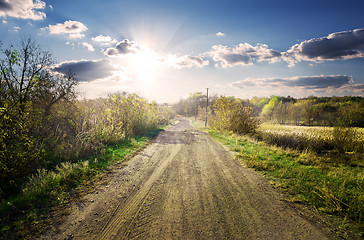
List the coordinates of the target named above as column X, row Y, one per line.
column 186, row 61
column 70, row 43
column 122, row 48
column 104, row 40
column 88, row 46
column 25, row 9
column 220, row 34
column 358, row 89
column 74, row 29
column 14, row 29
column 243, row 54
column 4, row 21
column 76, row 35
column 335, row 46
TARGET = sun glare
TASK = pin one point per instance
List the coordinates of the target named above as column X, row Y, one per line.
column 145, row 66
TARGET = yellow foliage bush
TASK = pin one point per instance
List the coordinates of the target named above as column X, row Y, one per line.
column 230, row 114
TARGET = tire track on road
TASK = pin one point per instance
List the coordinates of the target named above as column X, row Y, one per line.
column 125, row 216
column 187, row 186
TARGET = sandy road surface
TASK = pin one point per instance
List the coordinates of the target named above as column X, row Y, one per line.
column 184, row 186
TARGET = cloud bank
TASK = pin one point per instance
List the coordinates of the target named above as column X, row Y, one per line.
column 304, row 82
column 336, row 46
column 74, row 29
column 25, row 9
column 243, row 54
column 355, row 88
column 88, row 70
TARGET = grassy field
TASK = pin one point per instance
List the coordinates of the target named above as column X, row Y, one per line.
column 24, row 215
column 346, row 144
column 321, row 133
column 329, row 185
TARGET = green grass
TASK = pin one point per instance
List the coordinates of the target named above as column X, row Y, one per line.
column 335, row 189
column 22, row 216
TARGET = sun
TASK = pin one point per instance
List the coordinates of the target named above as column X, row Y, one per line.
column 145, row 65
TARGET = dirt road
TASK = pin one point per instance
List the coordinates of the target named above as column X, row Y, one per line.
column 184, row 186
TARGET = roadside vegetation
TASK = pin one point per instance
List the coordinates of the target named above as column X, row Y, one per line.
column 328, row 186
column 310, row 148
column 230, row 114
column 24, row 215
column 50, row 142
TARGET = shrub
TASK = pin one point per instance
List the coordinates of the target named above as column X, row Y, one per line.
column 231, row 115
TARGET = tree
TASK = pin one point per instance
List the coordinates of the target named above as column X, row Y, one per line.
column 190, row 107
column 30, row 88
column 27, row 75
column 259, row 102
column 267, row 111
column 197, row 101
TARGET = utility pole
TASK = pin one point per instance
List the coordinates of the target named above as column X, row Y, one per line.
column 207, row 104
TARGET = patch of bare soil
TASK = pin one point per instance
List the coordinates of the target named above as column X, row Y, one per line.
column 185, row 186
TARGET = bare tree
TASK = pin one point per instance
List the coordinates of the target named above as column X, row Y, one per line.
column 27, row 75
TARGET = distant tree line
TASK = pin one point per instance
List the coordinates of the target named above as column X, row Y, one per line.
column 311, row 111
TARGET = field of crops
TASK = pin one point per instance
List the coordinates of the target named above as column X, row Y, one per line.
column 310, row 132
column 317, row 139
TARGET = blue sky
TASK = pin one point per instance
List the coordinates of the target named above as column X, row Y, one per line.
column 164, row 50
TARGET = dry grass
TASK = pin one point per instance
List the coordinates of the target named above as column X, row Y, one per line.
column 316, row 139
